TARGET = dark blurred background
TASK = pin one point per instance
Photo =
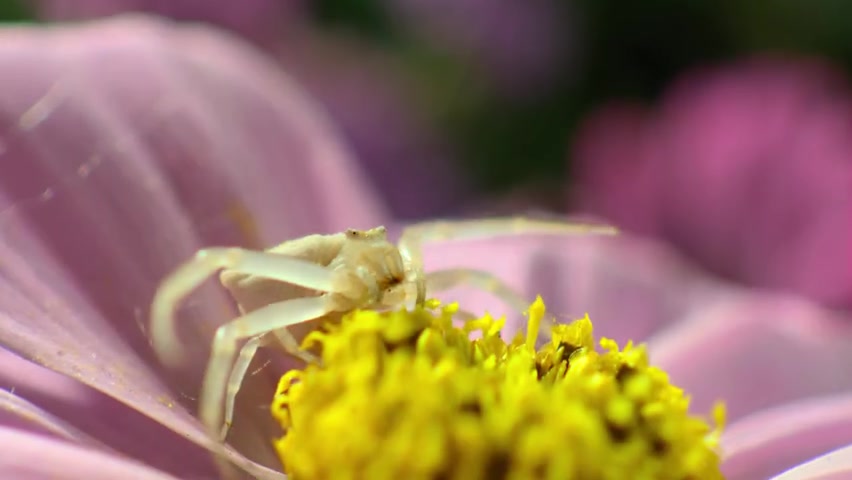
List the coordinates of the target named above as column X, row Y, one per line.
column 722, row 127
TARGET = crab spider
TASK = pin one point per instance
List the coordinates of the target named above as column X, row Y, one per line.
column 319, row 278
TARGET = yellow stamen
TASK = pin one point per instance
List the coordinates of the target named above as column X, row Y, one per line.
column 408, row 395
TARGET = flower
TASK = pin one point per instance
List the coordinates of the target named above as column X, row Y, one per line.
column 432, row 403
column 747, row 168
column 127, row 144
column 521, row 45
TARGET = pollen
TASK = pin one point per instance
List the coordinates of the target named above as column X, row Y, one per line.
column 415, row 395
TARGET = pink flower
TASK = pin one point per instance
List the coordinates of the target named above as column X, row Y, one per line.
column 520, row 45
column 130, row 143
column 746, row 168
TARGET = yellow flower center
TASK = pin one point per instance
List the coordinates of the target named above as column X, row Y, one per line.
column 407, row 395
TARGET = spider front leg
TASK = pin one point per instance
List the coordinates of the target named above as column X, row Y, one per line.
column 235, row 380
column 414, row 236
column 441, row 280
column 207, row 262
column 244, row 358
column 258, row 322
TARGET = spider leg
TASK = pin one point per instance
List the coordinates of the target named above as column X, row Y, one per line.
column 291, row 346
column 196, row 271
column 235, row 380
column 258, row 322
column 414, row 236
column 443, row 230
column 240, row 368
column 446, row 279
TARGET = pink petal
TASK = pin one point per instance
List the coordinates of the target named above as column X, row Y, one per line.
column 836, row 465
column 129, row 144
column 256, row 19
column 771, row 441
column 48, row 402
column 756, row 351
column 19, row 374
column 24, row 381
column 23, row 415
column 26, row 456
column 65, row 334
column 630, row 287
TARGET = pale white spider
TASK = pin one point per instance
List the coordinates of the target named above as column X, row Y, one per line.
column 319, row 278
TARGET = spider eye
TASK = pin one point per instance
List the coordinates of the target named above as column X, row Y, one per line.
column 353, row 233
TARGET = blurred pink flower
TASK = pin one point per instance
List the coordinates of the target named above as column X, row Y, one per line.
column 368, row 96
column 745, row 168
column 127, row 144
column 521, row 45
